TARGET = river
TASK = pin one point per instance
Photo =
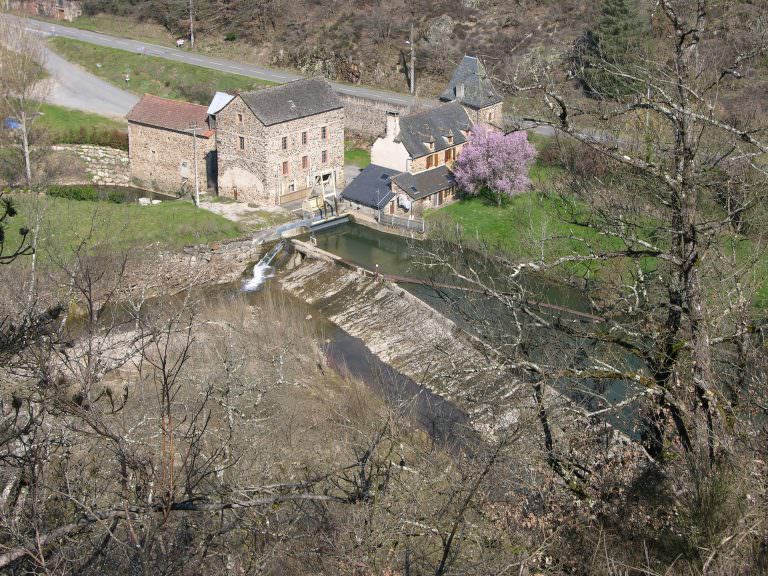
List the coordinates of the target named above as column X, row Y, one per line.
column 487, row 318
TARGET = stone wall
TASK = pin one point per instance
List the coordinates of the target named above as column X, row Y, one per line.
column 254, row 173
column 105, row 166
column 367, row 116
column 174, row 271
column 163, row 160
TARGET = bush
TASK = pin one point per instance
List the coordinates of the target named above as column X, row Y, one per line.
column 86, row 193
column 95, row 137
column 89, row 193
column 230, row 36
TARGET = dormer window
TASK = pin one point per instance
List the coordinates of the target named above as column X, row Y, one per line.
column 449, row 139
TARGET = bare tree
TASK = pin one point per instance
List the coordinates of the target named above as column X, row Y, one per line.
column 670, row 290
column 22, row 59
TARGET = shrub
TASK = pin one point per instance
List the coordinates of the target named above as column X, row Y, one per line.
column 86, row 193
column 112, row 138
column 90, row 193
column 230, row 36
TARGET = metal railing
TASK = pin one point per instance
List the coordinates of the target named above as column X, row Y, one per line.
column 415, row 224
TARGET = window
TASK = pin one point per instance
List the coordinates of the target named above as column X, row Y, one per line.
column 325, row 156
column 303, row 138
column 304, row 162
column 449, row 138
column 284, row 143
column 449, row 154
column 292, row 187
column 240, row 118
column 285, row 168
column 324, row 133
column 490, row 115
column 429, row 161
column 242, row 142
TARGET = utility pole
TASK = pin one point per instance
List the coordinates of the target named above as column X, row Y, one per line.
column 193, row 127
column 191, row 25
column 413, row 63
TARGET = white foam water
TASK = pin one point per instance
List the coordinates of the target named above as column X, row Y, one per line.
column 261, row 273
column 263, row 270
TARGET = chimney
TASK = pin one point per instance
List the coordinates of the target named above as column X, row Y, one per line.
column 393, row 125
column 459, row 91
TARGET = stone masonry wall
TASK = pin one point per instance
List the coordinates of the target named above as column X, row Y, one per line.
column 254, row 174
column 201, row 265
column 368, row 117
column 105, row 166
column 163, row 160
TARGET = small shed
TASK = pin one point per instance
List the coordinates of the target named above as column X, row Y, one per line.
column 371, row 190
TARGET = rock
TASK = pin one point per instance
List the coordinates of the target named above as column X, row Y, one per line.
column 145, row 201
column 440, row 29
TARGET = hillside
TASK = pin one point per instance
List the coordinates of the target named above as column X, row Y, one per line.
column 366, row 41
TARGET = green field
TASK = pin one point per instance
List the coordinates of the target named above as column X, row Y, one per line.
column 356, row 156
column 152, row 75
column 61, row 119
column 113, row 227
column 519, row 226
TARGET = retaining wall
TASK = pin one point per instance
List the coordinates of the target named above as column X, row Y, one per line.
column 105, row 166
column 366, row 116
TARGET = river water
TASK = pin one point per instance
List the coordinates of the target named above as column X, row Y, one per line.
column 487, row 318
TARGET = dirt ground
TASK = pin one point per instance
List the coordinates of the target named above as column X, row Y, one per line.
column 251, row 217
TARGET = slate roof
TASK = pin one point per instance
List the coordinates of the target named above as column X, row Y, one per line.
column 298, row 99
column 423, row 184
column 478, row 89
column 434, row 125
column 371, row 187
column 170, row 114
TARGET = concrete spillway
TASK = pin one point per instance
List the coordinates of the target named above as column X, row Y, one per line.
column 412, row 337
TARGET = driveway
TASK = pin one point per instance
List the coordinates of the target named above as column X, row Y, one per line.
column 73, row 87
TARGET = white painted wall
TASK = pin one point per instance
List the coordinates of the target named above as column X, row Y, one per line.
column 390, row 154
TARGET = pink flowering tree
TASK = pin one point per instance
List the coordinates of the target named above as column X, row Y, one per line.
column 495, row 162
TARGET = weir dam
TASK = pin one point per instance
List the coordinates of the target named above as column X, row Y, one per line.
column 432, row 350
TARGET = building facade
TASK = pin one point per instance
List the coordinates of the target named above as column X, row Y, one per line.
column 166, row 140
column 281, row 144
column 422, row 148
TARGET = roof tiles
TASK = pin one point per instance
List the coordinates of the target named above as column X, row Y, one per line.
column 170, row 114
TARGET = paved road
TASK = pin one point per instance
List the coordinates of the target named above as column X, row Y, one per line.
column 170, row 53
column 73, row 87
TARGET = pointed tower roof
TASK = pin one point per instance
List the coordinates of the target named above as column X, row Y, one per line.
column 471, row 86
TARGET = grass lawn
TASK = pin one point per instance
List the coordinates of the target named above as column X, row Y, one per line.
column 356, row 156
column 61, row 119
column 152, row 75
column 119, row 226
column 518, row 227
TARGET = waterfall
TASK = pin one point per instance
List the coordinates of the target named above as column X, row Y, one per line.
column 263, row 270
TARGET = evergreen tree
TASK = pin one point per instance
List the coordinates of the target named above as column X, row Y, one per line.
column 602, row 55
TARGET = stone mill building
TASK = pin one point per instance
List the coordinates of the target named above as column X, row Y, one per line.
column 163, row 138
column 281, row 144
